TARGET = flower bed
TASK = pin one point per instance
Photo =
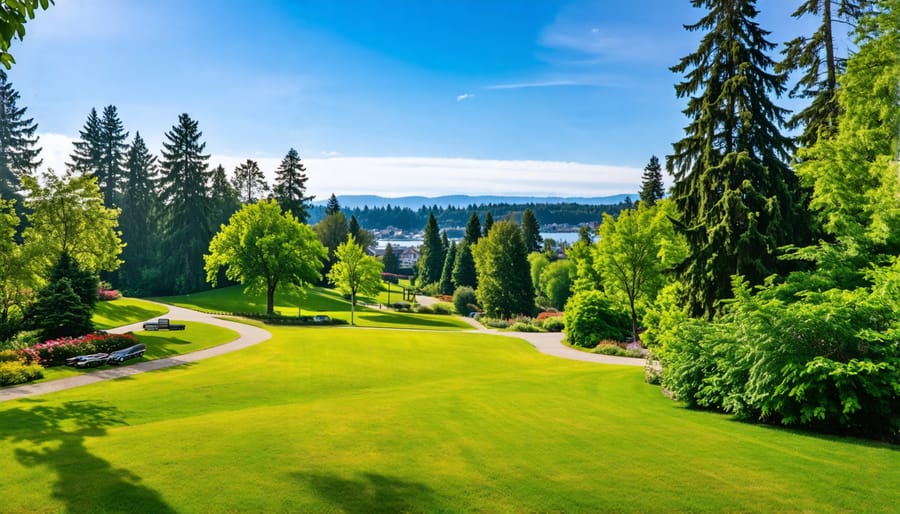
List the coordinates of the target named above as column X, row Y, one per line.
column 55, row 351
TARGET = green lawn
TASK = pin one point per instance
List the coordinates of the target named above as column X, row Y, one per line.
column 196, row 336
column 124, row 311
column 357, row 420
column 318, row 301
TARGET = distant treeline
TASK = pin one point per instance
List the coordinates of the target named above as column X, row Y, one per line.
column 415, row 219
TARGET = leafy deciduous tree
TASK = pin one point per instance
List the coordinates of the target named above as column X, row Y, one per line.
column 249, row 181
column 355, row 273
column 504, row 280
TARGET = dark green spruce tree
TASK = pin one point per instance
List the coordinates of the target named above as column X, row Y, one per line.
column 819, row 58
column 431, row 261
column 225, row 200
column 464, row 273
column 138, row 220
column 185, row 221
column 446, row 284
column 652, row 183
column 488, row 223
column 249, row 181
column 18, row 151
column 101, row 152
column 737, row 199
column 88, row 150
column 390, row 260
column 332, row 207
column 531, row 231
column 290, row 186
column 473, row 229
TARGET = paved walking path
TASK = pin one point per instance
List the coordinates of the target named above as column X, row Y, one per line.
column 549, row 343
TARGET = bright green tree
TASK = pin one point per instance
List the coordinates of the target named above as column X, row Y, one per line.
column 446, row 285
column 68, row 215
column 332, row 232
column 290, row 186
column 18, row 152
column 362, row 236
column 431, row 261
column 634, row 252
column 264, row 248
column 531, row 231
column 16, row 274
column 652, row 189
column 185, row 220
column 582, row 255
column 355, row 273
column 504, row 279
column 249, row 181
column 13, row 16
column 736, row 198
column 556, row 282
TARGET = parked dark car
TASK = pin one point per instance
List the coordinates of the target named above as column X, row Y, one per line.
column 162, row 324
column 132, row 352
column 87, row 361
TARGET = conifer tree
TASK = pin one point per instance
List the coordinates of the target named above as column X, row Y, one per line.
column 18, row 154
column 333, row 207
column 88, row 150
column 652, row 183
column 817, row 56
column 446, row 285
column 390, row 260
column 431, row 261
column 736, row 198
column 473, row 229
column 100, row 152
column 464, row 273
column 225, row 200
column 137, row 220
column 531, row 231
column 249, row 181
column 504, row 276
column 488, row 223
column 290, row 186
column 184, row 192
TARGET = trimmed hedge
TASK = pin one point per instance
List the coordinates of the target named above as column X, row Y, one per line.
column 12, row 373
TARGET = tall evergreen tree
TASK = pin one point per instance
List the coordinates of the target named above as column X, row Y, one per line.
column 249, row 180
column 88, row 150
column 100, row 152
column 488, row 223
column 504, row 276
column 290, row 186
column 431, row 261
column 473, row 229
column 184, row 192
column 652, row 183
column 390, row 260
column 137, row 220
column 531, row 231
column 464, row 273
column 736, row 198
column 446, row 285
column 333, row 207
column 18, row 154
column 225, row 200
column 817, row 56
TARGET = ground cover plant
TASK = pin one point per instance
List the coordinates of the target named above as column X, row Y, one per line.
column 356, row 420
column 318, row 301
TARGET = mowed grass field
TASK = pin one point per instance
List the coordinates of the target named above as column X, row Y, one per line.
column 318, row 301
column 361, row 420
column 124, row 311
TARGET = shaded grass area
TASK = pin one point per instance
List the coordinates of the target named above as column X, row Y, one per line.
column 318, row 301
column 196, row 336
column 355, row 420
column 124, row 311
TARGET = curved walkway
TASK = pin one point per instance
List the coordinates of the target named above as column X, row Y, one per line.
column 247, row 336
column 545, row 342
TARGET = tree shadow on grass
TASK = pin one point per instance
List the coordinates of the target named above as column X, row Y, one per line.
column 370, row 492
column 54, row 437
column 405, row 319
column 123, row 315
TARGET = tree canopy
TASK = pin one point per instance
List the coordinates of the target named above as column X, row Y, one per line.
column 504, row 279
column 355, row 273
column 290, row 186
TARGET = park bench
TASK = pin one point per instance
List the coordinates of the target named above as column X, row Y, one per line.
column 162, row 324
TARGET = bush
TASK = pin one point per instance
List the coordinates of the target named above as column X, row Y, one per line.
column 554, row 324
column 442, row 308
column 23, row 339
column 495, row 323
column 605, row 348
column 424, row 309
column 463, row 297
column 55, row 351
column 12, row 373
column 549, row 313
column 105, row 295
column 590, row 317
column 11, row 356
column 401, row 306
column 523, row 326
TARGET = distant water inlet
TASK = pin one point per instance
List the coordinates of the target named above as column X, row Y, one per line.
column 559, row 237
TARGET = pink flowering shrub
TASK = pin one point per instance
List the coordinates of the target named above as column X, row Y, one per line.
column 106, row 295
column 55, row 351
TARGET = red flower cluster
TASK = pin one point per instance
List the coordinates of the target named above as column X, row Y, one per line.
column 56, row 351
column 108, row 294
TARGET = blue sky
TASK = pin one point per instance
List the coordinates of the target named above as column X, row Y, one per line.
column 387, row 97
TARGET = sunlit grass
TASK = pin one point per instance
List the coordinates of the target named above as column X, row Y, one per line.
column 124, row 311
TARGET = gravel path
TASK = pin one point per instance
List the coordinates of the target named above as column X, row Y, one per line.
column 549, row 343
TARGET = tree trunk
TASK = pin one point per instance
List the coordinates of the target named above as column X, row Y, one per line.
column 352, row 306
column 634, row 327
column 270, row 299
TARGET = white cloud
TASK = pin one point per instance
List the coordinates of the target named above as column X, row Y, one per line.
column 427, row 176
column 330, row 153
column 547, row 83
column 464, row 96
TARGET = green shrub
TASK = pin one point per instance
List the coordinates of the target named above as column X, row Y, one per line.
column 495, row 323
column 11, row 356
column 401, row 306
column 522, row 326
column 463, row 297
column 556, row 324
column 12, row 373
column 442, row 308
column 424, row 309
column 590, row 318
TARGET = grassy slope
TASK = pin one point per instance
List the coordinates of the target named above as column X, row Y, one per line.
column 124, row 311
column 318, row 301
column 315, row 421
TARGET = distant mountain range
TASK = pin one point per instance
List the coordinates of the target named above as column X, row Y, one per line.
column 414, row 202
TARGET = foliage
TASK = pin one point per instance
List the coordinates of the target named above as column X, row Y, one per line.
column 556, row 282
column 84, row 283
column 263, row 248
column 100, row 152
column 555, row 324
column 333, row 206
column 537, row 263
column 59, row 312
column 140, row 207
column 633, row 254
column 446, row 284
column 581, row 253
column 249, row 181
column 17, row 372
column 54, row 352
column 332, row 231
column 504, row 280
column 186, row 216
column 652, row 189
column 355, row 273
column 591, row 317
column 473, row 229
column 16, row 274
column 613, row 349
column 390, row 260
column 18, row 155
column 290, row 186
column 431, row 262
column 13, row 16
column 488, row 223
column 737, row 201
column 363, row 237
column 68, row 215
column 464, row 300
column 531, row 231
column 464, row 273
